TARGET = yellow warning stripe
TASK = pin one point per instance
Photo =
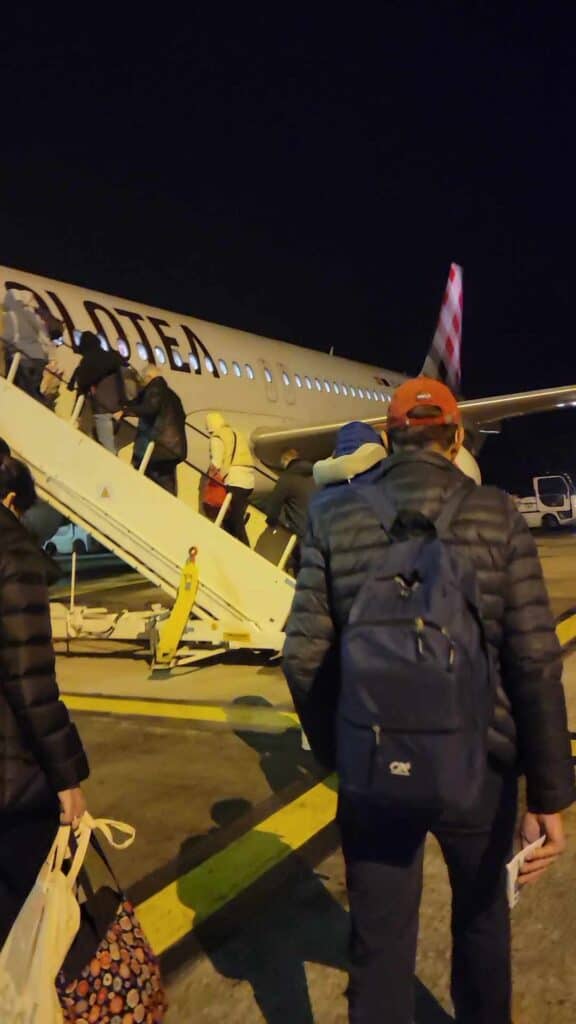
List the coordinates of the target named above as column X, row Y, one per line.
column 169, row 915
column 566, row 631
column 234, row 715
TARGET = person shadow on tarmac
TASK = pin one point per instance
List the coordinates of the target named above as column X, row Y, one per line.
column 294, row 920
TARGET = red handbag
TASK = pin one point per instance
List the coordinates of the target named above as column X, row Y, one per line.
column 214, row 492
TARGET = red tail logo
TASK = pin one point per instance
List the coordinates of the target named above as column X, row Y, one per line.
column 443, row 360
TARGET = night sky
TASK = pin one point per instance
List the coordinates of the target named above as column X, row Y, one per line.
column 311, row 178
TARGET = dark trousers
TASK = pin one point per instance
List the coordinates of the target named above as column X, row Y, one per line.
column 384, row 875
column 24, row 845
column 234, row 520
column 164, row 474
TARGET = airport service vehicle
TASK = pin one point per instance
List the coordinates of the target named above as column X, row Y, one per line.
column 552, row 503
column 69, row 538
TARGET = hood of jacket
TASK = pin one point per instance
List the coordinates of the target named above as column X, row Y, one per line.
column 358, row 449
column 214, row 422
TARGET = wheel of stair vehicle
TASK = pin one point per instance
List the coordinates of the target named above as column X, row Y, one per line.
column 50, row 548
column 550, row 522
column 79, row 547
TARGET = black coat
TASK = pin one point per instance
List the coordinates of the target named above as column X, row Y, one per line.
column 529, row 725
column 40, row 750
column 288, row 503
column 98, row 375
column 161, row 418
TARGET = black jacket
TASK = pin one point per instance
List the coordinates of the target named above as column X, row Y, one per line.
column 288, row 503
column 40, row 750
column 529, row 726
column 161, row 418
column 98, row 375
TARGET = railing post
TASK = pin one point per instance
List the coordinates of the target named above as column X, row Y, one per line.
column 288, row 551
column 13, row 367
column 223, row 510
column 147, row 456
column 78, row 406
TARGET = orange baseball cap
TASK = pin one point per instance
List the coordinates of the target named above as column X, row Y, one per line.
column 419, row 392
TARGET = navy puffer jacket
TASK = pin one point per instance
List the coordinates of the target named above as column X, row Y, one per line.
column 344, row 537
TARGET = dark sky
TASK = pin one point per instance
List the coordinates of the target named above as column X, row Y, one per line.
column 311, row 177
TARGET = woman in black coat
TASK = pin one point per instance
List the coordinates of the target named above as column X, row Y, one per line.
column 42, row 761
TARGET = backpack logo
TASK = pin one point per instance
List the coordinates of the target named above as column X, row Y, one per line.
column 400, row 768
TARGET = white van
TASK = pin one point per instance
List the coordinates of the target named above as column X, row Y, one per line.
column 552, row 503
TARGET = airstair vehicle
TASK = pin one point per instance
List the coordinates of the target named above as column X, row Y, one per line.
column 226, row 596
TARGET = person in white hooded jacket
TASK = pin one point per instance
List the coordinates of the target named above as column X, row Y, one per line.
column 231, row 459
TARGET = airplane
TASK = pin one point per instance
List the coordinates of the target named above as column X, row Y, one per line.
column 280, row 394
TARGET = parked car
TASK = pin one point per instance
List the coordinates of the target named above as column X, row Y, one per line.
column 69, row 538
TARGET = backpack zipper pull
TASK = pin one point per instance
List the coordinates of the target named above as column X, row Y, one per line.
column 419, row 623
column 377, row 730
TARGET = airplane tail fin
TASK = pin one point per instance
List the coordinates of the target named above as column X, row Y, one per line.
column 443, row 361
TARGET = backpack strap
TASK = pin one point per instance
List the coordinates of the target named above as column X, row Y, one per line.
column 452, row 507
column 381, row 504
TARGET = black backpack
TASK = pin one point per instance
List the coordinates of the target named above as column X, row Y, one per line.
column 417, row 691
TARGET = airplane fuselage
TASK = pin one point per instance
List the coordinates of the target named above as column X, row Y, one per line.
column 254, row 381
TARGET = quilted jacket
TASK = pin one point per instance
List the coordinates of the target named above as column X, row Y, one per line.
column 40, row 750
column 529, row 725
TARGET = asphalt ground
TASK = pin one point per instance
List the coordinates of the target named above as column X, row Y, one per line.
column 236, row 868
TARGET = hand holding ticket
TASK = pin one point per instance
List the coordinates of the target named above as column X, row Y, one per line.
column 513, row 870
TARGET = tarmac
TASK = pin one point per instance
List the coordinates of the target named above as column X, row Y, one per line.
column 236, row 869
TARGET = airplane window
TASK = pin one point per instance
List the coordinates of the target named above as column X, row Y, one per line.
column 142, row 352
column 160, row 357
column 383, row 396
column 77, row 336
column 336, row 387
column 177, row 358
column 326, row 385
column 375, row 396
column 223, row 367
column 360, row 392
column 308, row 383
column 368, row 395
column 194, row 364
column 103, row 342
column 318, row 384
column 298, row 380
column 123, row 348
column 237, row 370
column 249, row 372
column 267, row 375
column 344, row 390
column 353, row 391
column 208, row 364
column 285, row 378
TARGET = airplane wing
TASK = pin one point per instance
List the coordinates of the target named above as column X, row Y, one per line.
column 317, row 441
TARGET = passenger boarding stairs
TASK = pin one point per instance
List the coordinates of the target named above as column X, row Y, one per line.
column 242, row 599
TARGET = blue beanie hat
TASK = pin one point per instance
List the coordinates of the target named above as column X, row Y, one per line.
column 353, row 435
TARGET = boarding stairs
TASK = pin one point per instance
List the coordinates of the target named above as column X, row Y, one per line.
column 241, row 599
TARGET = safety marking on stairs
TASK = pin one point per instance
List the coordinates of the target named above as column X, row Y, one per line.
column 170, row 914
column 566, row 629
column 237, row 716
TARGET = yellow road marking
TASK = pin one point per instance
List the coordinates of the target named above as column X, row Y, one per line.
column 86, row 587
column 173, row 912
column 566, row 630
column 235, row 715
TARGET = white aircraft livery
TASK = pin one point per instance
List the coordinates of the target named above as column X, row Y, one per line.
column 280, row 394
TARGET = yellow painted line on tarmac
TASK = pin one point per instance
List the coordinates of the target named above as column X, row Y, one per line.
column 86, row 587
column 234, row 715
column 169, row 915
column 566, row 631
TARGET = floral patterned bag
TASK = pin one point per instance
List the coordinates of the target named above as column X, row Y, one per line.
column 111, row 975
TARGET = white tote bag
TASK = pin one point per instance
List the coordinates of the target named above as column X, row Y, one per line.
column 45, row 929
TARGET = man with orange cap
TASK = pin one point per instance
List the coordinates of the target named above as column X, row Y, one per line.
column 528, row 730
